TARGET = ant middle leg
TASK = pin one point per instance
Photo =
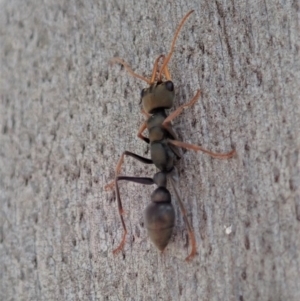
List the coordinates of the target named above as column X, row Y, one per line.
column 120, row 162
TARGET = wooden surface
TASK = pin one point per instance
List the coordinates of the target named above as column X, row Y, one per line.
column 66, row 117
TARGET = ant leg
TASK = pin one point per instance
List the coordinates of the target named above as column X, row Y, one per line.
column 170, row 130
column 129, row 70
column 121, row 212
column 180, row 109
column 146, row 181
column 189, row 228
column 167, row 122
column 173, row 42
column 199, row 148
column 120, row 162
column 141, row 130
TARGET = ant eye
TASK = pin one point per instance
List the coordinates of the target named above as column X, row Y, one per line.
column 143, row 93
column 169, row 85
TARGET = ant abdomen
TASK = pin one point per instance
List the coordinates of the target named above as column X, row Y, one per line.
column 160, row 218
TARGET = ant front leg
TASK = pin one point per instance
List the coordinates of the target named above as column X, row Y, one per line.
column 178, row 111
column 145, row 181
column 141, row 130
column 120, row 162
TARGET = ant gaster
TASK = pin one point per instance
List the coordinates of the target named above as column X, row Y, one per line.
column 156, row 99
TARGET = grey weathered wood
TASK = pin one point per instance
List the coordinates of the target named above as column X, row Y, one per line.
column 66, row 116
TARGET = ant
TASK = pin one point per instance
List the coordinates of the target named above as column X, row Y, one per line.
column 156, row 99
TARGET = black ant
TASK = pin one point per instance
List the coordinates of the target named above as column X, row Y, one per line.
column 156, row 99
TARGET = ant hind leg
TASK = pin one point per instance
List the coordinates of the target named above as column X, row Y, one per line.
column 199, row 148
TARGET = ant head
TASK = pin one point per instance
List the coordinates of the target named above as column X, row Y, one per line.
column 159, row 95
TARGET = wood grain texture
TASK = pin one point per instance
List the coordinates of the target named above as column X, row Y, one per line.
column 66, row 117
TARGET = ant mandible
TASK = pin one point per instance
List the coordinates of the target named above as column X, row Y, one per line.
column 156, row 99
